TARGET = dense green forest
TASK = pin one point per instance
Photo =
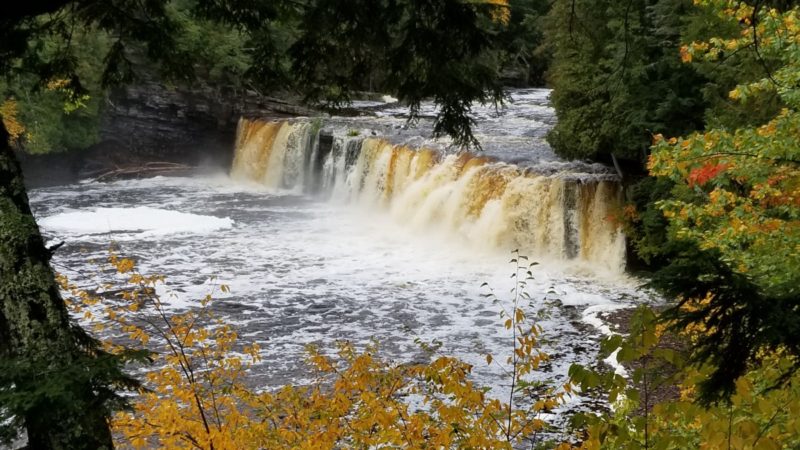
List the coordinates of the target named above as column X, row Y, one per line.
column 695, row 103
column 279, row 58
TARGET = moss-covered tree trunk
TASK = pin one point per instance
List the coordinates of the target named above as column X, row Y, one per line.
column 46, row 382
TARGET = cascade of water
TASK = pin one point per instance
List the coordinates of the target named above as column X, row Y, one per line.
column 254, row 145
column 486, row 202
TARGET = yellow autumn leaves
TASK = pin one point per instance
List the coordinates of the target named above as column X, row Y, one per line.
column 9, row 113
column 500, row 9
column 743, row 196
column 197, row 393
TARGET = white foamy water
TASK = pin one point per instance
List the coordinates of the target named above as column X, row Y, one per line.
column 306, row 271
column 132, row 223
column 371, row 241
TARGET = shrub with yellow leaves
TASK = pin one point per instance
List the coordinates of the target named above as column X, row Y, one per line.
column 197, row 394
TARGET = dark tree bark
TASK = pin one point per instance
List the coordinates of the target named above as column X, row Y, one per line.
column 60, row 400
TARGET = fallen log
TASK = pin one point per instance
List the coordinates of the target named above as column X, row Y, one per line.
column 150, row 169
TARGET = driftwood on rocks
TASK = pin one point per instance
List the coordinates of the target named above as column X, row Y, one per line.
column 149, row 169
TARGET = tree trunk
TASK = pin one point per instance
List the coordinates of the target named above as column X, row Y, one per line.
column 47, row 379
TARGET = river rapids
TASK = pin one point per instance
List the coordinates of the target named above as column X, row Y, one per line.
column 362, row 229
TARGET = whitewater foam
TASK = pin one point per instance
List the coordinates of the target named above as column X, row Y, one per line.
column 132, row 223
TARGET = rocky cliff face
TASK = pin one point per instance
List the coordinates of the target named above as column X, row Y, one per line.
column 150, row 121
column 153, row 121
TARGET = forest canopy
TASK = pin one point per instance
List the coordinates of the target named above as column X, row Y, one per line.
column 314, row 51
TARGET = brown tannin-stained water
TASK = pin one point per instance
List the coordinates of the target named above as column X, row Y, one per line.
column 360, row 229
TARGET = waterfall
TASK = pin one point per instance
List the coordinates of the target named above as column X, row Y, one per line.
column 485, row 202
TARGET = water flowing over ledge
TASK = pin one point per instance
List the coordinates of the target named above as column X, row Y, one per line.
column 546, row 210
column 340, row 234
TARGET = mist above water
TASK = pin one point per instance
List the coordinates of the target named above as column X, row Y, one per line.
column 367, row 241
column 539, row 204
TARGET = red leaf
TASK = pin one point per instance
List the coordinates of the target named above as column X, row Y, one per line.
column 704, row 174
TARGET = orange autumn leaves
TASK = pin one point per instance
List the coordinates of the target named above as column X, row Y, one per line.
column 702, row 175
column 738, row 191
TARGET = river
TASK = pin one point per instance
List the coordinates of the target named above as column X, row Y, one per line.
column 367, row 239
